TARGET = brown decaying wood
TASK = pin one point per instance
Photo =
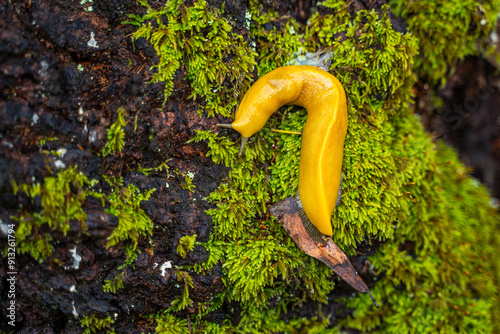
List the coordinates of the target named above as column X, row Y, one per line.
column 286, row 212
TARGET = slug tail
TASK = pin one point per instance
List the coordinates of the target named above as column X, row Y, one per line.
column 312, row 230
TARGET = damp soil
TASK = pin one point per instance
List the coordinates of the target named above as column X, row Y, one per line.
column 65, row 70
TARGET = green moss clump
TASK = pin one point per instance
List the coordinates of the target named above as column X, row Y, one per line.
column 116, row 134
column 267, row 321
column 188, row 180
column 162, row 168
column 114, row 284
column 61, row 198
column 186, row 244
column 218, row 63
column 183, row 301
column 124, row 203
column 381, row 87
column 447, row 31
column 270, row 257
column 258, row 256
column 439, row 264
column 42, row 141
column 169, row 324
column 92, row 324
column 276, row 47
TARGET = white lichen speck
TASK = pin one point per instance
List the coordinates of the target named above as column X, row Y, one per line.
column 61, row 152
column 92, row 42
column 75, row 313
column 34, row 119
column 59, row 164
column 164, row 267
column 93, row 136
column 76, row 260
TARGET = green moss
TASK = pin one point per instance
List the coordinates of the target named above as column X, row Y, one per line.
column 446, row 277
column 116, row 134
column 114, row 284
column 61, row 199
column 169, row 324
column 188, row 180
column 92, row 324
column 268, row 321
column 162, row 168
column 242, row 227
column 271, row 321
column 276, row 48
column 447, row 31
column 124, row 203
column 186, row 244
column 42, row 141
column 183, row 301
column 437, row 227
column 217, row 62
column 259, row 258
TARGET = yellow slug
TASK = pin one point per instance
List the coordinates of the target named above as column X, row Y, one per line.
column 323, row 96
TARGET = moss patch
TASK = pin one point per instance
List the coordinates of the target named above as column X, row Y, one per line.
column 399, row 187
column 116, row 134
column 186, row 244
column 447, row 31
column 124, row 203
column 218, row 63
column 61, row 198
column 92, row 324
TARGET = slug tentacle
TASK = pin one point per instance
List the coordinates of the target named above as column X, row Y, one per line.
column 323, row 136
column 243, row 143
column 227, row 126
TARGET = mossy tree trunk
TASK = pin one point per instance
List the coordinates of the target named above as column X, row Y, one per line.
column 133, row 213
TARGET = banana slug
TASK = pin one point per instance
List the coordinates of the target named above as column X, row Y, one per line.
column 323, row 96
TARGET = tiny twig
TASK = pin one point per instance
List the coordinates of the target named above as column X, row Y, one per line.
column 189, row 325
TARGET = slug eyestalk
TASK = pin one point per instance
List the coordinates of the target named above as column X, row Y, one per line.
column 243, row 139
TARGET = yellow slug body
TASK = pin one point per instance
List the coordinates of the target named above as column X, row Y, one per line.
column 323, row 96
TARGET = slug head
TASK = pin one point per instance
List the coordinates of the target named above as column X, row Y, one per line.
column 263, row 98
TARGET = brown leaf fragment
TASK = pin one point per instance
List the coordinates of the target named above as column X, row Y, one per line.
column 286, row 212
